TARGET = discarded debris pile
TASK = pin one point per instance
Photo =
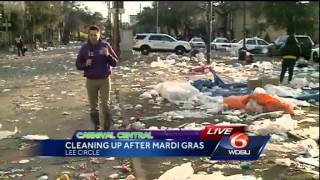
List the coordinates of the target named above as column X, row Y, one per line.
column 258, row 102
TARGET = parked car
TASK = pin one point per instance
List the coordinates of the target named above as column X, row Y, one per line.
column 306, row 45
column 156, row 42
column 254, row 45
column 304, row 41
column 220, row 43
column 315, row 54
column 197, row 43
column 276, row 45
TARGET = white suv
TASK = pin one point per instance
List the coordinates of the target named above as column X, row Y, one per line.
column 154, row 42
column 220, row 43
column 254, row 44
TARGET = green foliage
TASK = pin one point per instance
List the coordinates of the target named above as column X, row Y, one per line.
column 146, row 20
column 77, row 19
column 173, row 15
column 293, row 16
column 41, row 15
column 17, row 21
column 267, row 38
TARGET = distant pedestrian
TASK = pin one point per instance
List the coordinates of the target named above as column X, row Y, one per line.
column 95, row 58
column 19, row 44
column 290, row 54
column 179, row 37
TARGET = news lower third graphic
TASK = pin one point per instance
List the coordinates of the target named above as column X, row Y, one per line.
column 223, row 142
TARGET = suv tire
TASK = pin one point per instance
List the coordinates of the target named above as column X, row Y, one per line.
column 180, row 50
column 145, row 50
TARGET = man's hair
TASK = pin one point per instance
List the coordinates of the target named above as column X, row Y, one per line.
column 94, row 28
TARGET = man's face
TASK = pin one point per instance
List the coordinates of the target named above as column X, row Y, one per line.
column 94, row 36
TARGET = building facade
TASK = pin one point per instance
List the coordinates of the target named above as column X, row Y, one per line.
column 6, row 31
column 230, row 22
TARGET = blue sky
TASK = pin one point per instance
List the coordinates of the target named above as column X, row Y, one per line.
column 130, row 7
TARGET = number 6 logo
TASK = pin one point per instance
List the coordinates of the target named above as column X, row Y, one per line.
column 239, row 140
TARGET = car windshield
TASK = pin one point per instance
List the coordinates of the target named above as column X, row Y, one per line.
column 262, row 42
column 197, row 40
column 221, row 40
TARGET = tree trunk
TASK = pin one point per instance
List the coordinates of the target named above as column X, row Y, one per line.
column 66, row 36
column 186, row 32
column 176, row 30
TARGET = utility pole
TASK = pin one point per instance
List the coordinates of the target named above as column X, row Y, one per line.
column 316, row 23
column 242, row 53
column 7, row 32
column 108, row 29
column 5, row 17
column 109, row 13
column 115, row 29
column 157, row 21
column 209, row 19
column 244, row 25
column 210, row 31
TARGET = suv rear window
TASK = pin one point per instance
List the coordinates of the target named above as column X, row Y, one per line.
column 155, row 38
column 140, row 37
column 304, row 40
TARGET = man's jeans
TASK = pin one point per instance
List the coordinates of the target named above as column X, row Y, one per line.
column 20, row 49
column 287, row 64
column 101, row 87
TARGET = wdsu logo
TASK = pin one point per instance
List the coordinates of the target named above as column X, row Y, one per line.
column 239, row 141
column 239, row 146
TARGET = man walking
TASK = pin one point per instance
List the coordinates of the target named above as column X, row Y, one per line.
column 19, row 44
column 96, row 58
column 290, row 54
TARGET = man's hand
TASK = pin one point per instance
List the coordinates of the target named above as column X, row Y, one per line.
column 106, row 52
column 88, row 62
